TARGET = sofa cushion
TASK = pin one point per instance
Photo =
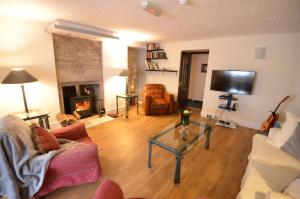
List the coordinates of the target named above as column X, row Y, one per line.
column 294, row 188
column 159, row 104
column 277, row 195
column 72, row 132
column 44, row 140
column 288, row 127
column 72, row 167
column 292, row 146
column 262, row 150
column 275, row 176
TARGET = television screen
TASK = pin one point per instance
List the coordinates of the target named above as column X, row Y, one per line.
column 237, row 82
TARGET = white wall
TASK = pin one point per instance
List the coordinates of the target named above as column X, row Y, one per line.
column 197, row 78
column 114, row 59
column 26, row 44
column 277, row 75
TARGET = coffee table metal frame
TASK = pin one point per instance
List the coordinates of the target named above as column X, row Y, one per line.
column 178, row 153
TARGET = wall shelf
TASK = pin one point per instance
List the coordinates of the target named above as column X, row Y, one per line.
column 163, row 71
column 156, row 58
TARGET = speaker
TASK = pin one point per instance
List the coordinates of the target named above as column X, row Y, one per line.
column 260, row 53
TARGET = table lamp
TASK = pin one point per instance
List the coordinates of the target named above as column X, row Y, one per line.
column 125, row 73
column 19, row 76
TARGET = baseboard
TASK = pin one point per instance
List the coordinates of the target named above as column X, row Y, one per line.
column 114, row 109
column 240, row 122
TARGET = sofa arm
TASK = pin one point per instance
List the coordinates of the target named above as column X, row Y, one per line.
column 170, row 100
column 147, row 104
column 277, row 195
column 72, row 132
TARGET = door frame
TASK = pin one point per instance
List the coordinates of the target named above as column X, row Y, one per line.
column 186, row 71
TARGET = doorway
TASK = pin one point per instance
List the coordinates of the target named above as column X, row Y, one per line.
column 192, row 76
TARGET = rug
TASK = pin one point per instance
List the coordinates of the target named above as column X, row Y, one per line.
column 95, row 120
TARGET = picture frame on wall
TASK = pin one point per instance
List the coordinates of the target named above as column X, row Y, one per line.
column 204, row 68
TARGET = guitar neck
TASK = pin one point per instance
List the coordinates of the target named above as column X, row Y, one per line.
column 284, row 99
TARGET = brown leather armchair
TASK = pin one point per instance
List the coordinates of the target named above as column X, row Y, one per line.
column 157, row 101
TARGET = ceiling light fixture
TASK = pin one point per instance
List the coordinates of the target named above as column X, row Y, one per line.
column 65, row 27
column 183, row 2
column 151, row 8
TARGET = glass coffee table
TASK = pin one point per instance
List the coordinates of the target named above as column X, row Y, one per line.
column 171, row 139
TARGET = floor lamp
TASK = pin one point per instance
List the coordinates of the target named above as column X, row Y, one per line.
column 20, row 76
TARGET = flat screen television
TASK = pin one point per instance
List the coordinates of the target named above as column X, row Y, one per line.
column 232, row 81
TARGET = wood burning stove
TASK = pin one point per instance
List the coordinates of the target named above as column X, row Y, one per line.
column 83, row 105
column 80, row 98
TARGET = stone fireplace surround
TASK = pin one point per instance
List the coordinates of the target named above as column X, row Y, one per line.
column 78, row 62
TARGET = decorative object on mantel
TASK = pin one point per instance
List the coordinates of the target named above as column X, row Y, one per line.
column 20, row 76
column 125, row 73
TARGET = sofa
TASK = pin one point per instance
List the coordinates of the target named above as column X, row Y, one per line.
column 75, row 166
column 269, row 171
column 35, row 163
column 157, row 101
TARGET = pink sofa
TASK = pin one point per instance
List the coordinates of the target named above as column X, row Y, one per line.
column 74, row 166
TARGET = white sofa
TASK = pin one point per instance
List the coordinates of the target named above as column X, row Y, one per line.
column 268, row 172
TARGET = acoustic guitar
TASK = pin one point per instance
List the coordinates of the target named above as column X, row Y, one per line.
column 266, row 125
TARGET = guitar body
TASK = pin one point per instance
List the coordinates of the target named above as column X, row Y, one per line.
column 269, row 123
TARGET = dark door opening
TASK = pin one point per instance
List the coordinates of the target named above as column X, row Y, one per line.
column 193, row 67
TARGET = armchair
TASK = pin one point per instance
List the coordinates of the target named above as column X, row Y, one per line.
column 157, row 101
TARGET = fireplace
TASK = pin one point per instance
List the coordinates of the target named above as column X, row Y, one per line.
column 83, row 105
column 81, row 98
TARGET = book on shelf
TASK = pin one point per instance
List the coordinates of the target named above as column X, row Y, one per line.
column 152, row 46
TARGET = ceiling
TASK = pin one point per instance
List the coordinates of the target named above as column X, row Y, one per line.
column 199, row 19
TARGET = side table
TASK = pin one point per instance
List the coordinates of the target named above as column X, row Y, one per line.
column 42, row 117
column 127, row 98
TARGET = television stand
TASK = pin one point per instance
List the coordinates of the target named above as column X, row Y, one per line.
column 224, row 107
column 227, row 106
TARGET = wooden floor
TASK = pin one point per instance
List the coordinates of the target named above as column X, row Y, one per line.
column 123, row 150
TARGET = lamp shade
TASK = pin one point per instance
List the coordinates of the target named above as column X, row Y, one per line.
column 18, row 76
column 124, row 73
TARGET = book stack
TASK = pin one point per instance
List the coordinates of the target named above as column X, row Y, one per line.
column 156, row 55
column 152, row 46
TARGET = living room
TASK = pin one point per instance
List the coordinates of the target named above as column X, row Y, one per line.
column 261, row 37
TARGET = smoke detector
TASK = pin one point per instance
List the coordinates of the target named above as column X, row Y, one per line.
column 183, row 2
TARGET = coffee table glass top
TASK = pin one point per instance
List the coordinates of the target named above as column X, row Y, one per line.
column 171, row 136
